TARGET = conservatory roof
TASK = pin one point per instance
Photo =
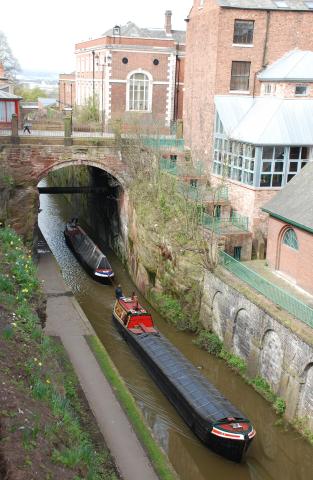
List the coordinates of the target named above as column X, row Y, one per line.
column 266, row 120
column 295, row 66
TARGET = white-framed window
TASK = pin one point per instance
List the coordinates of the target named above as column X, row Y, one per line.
column 269, row 88
column 139, row 91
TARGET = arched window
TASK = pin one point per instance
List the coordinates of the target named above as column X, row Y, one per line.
column 290, row 239
column 139, row 92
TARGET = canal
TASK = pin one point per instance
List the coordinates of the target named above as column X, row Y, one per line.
column 275, row 454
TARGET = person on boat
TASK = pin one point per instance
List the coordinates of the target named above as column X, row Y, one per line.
column 74, row 222
column 119, row 292
column 135, row 300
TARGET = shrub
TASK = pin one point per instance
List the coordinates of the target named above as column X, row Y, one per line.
column 210, row 342
column 280, row 406
column 235, row 362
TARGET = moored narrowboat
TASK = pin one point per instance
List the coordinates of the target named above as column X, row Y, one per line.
column 88, row 254
column 206, row 411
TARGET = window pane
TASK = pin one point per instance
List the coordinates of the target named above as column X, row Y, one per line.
column 279, row 152
column 265, row 181
column 289, row 178
column 277, row 179
column 267, row 166
column 294, row 152
column 243, row 32
column 293, row 167
column 240, row 74
column 290, row 239
column 304, row 152
column 279, row 166
column 268, row 152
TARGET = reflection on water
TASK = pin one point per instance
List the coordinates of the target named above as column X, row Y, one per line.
column 274, row 455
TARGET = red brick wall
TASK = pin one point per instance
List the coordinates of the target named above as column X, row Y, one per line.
column 295, row 264
column 67, row 91
column 200, row 73
column 139, row 60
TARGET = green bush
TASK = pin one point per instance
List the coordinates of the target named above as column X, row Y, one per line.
column 209, row 341
column 234, row 361
column 280, row 406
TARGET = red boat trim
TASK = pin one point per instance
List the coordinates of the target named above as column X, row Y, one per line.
column 233, row 436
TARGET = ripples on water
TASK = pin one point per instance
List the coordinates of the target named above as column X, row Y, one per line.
column 274, row 455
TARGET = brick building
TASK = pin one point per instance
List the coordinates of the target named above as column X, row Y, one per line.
column 67, row 90
column 9, row 103
column 261, row 143
column 290, row 230
column 228, row 43
column 133, row 72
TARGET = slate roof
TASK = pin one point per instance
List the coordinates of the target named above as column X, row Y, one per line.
column 295, row 201
column 300, row 5
column 266, row 120
column 294, row 66
column 132, row 30
column 8, row 96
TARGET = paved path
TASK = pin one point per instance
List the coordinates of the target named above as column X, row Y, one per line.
column 66, row 320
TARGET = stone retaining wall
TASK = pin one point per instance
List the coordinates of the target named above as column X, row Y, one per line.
column 270, row 349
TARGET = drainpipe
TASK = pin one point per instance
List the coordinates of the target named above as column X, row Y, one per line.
column 177, row 74
column 268, row 17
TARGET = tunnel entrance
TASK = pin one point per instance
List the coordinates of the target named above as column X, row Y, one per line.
column 94, row 197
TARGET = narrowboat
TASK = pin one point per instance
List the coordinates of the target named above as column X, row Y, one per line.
column 88, row 254
column 206, row 411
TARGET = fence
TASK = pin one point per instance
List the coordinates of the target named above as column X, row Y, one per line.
column 276, row 294
column 220, row 225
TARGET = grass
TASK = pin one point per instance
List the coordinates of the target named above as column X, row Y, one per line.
column 156, row 455
column 46, row 373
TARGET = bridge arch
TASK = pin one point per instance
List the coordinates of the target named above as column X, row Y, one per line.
column 72, row 163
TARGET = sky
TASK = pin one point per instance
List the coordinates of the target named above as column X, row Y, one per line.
column 42, row 33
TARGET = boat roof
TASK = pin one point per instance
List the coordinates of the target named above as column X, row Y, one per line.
column 129, row 305
column 204, row 397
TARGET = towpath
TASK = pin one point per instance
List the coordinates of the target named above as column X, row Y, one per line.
column 66, row 320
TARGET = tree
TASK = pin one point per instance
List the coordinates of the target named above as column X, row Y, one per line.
column 29, row 94
column 10, row 63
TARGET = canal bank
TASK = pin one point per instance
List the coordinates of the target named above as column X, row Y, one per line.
column 276, row 453
column 66, row 320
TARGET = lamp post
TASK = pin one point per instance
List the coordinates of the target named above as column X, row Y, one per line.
column 102, row 65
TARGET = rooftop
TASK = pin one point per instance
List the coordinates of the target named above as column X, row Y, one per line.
column 294, row 66
column 295, row 201
column 8, row 96
column 132, row 30
column 299, row 5
column 266, row 120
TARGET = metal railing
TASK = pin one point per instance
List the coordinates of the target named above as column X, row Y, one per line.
column 276, row 294
column 222, row 225
column 164, row 142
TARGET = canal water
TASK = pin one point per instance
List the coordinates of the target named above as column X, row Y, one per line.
column 275, row 454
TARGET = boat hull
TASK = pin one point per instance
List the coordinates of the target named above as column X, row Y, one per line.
column 87, row 268
column 234, row 450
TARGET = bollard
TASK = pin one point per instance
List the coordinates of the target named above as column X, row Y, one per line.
column 68, row 139
column 14, row 129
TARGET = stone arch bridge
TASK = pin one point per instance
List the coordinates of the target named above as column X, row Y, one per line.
column 23, row 165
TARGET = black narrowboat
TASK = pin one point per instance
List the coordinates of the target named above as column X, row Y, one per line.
column 88, row 254
column 206, row 411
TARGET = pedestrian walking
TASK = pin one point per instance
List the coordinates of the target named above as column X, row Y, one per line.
column 26, row 126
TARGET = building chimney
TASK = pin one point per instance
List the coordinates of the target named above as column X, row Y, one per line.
column 1, row 70
column 168, row 21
